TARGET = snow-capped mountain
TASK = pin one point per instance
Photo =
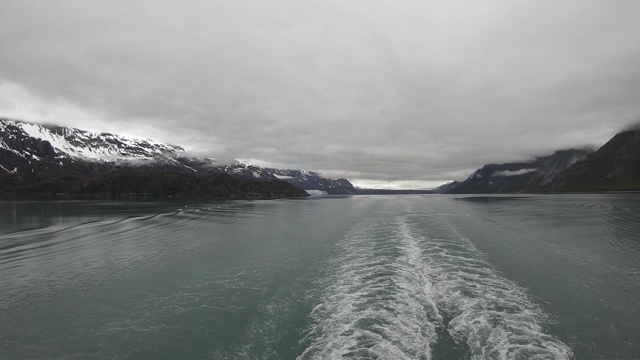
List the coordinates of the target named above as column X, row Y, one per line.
column 307, row 180
column 28, row 147
column 80, row 144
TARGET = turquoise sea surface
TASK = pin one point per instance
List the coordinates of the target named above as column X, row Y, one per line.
column 364, row 277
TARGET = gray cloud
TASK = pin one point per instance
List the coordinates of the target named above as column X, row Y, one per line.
column 377, row 90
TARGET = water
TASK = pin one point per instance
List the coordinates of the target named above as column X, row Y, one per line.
column 380, row 277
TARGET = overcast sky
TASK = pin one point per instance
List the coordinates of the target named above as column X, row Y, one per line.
column 375, row 91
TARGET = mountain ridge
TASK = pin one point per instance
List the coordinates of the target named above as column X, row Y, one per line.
column 615, row 166
column 57, row 150
column 66, row 159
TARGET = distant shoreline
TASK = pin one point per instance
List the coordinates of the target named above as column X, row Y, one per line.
column 72, row 196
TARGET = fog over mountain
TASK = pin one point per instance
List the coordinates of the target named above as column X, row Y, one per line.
column 386, row 94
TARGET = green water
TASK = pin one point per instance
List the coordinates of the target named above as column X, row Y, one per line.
column 381, row 277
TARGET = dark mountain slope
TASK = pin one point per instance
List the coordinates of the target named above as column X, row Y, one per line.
column 445, row 188
column 531, row 176
column 143, row 183
column 56, row 152
column 613, row 167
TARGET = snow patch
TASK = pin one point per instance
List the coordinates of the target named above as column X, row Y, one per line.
column 4, row 145
column 316, row 192
column 283, row 177
column 98, row 147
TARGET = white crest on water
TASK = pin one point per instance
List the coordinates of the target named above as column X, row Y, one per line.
column 377, row 302
column 492, row 315
column 394, row 280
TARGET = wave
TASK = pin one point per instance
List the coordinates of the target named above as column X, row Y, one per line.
column 493, row 316
column 377, row 302
column 396, row 284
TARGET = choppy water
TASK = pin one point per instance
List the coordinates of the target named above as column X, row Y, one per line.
column 381, row 277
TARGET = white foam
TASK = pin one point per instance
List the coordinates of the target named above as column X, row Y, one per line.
column 492, row 315
column 376, row 303
column 392, row 283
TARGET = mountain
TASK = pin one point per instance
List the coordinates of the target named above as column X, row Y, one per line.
column 445, row 188
column 613, row 167
column 535, row 175
column 128, row 182
column 25, row 138
column 65, row 156
column 310, row 181
column 27, row 147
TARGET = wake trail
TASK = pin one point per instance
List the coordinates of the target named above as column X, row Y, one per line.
column 376, row 302
column 492, row 315
column 396, row 282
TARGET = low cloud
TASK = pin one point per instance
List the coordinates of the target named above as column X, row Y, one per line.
column 382, row 91
column 507, row 173
column 632, row 126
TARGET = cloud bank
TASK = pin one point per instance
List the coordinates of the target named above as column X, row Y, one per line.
column 371, row 90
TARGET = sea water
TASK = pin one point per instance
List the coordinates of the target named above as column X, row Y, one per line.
column 364, row 277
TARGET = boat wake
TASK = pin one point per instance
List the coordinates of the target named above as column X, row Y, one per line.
column 377, row 302
column 396, row 283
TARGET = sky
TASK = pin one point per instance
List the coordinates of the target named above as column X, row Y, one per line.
column 395, row 94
